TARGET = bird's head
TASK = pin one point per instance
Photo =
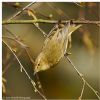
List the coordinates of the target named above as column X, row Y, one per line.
column 41, row 63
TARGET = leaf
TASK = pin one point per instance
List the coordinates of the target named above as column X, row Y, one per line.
column 88, row 42
column 31, row 13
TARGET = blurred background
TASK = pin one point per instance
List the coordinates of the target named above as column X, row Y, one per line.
column 62, row 81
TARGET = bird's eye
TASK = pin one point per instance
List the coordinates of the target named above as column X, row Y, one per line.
column 38, row 64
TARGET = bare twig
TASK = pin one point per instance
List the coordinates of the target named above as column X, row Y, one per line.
column 83, row 79
column 28, row 53
column 8, row 64
column 79, row 4
column 36, row 90
column 41, row 30
column 18, row 13
column 80, row 98
column 58, row 10
column 13, row 54
column 26, row 48
column 22, row 68
column 14, row 39
column 49, row 21
column 10, row 32
column 3, row 85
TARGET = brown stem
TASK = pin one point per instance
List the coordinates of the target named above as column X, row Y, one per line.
column 48, row 21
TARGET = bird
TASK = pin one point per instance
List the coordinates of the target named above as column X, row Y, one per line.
column 55, row 46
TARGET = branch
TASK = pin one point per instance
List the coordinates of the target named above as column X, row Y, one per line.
column 7, row 65
column 26, row 48
column 22, row 68
column 18, row 13
column 48, row 21
column 83, row 79
column 28, row 53
column 80, row 98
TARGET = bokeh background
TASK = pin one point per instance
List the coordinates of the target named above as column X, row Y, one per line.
column 62, row 81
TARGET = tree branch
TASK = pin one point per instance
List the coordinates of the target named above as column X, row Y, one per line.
column 22, row 68
column 19, row 12
column 48, row 21
column 80, row 97
column 83, row 79
column 27, row 50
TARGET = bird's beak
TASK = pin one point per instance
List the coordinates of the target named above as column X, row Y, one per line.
column 35, row 71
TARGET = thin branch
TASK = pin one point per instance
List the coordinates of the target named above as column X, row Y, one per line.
column 8, row 64
column 59, row 11
column 18, row 13
column 31, row 59
column 22, row 68
column 26, row 48
column 36, row 90
column 83, row 79
column 80, row 98
column 11, row 32
column 13, row 54
column 14, row 39
column 41, row 30
column 49, row 21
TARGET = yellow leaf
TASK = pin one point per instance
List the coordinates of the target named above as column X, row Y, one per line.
column 88, row 42
column 31, row 13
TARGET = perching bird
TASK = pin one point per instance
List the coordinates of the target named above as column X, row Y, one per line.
column 55, row 46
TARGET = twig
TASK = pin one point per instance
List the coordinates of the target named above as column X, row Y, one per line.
column 80, row 98
column 26, row 48
column 22, row 45
column 31, row 59
column 36, row 90
column 8, row 64
column 83, row 79
column 22, row 68
column 78, row 4
column 49, row 21
column 21, row 11
column 14, row 39
column 10, row 32
column 41, row 30
column 13, row 54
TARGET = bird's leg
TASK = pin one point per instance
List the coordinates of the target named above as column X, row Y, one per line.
column 67, row 54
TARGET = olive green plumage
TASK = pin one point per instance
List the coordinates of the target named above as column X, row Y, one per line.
column 55, row 46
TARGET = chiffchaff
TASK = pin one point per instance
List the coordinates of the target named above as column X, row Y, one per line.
column 55, row 46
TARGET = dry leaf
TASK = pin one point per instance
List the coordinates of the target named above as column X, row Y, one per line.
column 88, row 42
column 32, row 14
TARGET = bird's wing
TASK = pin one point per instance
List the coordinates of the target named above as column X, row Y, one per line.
column 50, row 35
